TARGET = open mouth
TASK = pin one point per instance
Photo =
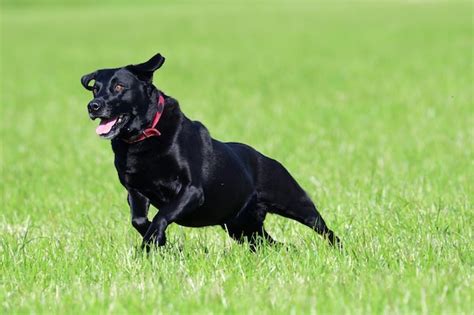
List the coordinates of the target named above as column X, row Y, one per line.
column 108, row 128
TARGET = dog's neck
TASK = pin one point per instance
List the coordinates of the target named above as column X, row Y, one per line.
column 155, row 110
column 169, row 122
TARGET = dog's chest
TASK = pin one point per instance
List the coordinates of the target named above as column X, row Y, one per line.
column 154, row 177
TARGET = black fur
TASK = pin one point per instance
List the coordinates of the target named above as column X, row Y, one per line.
column 193, row 179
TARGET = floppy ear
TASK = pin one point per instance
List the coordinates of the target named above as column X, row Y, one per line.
column 88, row 78
column 144, row 71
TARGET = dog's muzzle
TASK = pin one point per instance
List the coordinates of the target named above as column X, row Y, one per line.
column 94, row 107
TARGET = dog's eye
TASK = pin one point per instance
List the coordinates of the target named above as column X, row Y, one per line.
column 95, row 90
column 119, row 88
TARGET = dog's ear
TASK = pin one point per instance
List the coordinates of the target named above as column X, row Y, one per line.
column 88, row 78
column 144, row 71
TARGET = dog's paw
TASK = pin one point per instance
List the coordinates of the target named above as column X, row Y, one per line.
column 146, row 247
column 153, row 242
column 336, row 243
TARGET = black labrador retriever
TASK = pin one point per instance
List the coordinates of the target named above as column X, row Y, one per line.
column 165, row 159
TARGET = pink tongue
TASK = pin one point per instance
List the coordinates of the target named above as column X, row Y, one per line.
column 105, row 126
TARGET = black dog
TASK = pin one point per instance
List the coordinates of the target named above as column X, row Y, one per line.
column 170, row 161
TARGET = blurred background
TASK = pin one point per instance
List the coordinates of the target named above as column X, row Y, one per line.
column 368, row 104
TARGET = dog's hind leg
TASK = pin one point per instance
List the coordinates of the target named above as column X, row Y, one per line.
column 284, row 196
column 139, row 206
column 248, row 225
column 254, row 236
column 307, row 214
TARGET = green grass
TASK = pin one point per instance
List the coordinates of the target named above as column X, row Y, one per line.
column 369, row 105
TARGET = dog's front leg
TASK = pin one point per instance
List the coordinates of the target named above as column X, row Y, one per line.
column 187, row 200
column 139, row 206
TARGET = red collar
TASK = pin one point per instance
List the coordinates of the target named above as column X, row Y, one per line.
column 152, row 131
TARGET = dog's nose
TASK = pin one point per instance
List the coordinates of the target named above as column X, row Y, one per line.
column 93, row 106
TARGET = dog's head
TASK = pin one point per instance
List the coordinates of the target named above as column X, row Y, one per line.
column 122, row 97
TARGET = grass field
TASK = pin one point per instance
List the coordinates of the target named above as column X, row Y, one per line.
column 369, row 105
